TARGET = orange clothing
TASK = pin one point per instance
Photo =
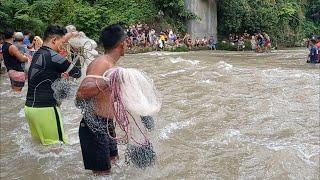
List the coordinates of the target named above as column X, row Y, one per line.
column 162, row 38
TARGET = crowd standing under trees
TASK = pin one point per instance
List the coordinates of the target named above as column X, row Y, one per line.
column 163, row 22
column 143, row 36
column 287, row 22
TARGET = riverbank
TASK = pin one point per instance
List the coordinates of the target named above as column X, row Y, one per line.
column 220, row 47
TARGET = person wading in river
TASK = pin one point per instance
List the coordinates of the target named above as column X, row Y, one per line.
column 98, row 148
column 41, row 108
column 13, row 60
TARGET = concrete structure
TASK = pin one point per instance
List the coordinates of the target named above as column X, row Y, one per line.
column 206, row 10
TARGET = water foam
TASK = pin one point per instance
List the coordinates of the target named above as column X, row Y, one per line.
column 304, row 151
column 289, row 73
column 21, row 113
column 165, row 132
column 224, row 66
column 179, row 59
column 163, row 53
column 173, row 72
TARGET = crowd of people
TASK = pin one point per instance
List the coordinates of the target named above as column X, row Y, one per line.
column 141, row 35
column 260, row 42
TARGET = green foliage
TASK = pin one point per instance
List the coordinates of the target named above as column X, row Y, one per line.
column 8, row 12
column 285, row 21
column 181, row 48
column 87, row 19
column 226, row 46
column 175, row 13
column 90, row 16
column 248, row 46
column 127, row 11
column 34, row 15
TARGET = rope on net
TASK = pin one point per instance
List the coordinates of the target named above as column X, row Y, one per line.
column 134, row 101
column 134, row 96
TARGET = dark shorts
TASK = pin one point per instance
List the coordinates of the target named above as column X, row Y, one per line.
column 17, row 83
column 17, row 78
column 97, row 148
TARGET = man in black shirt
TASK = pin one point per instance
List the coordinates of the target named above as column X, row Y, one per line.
column 13, row 60
column 41, row 108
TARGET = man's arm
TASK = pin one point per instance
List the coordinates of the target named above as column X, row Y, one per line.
column 89, row 89
column 13, row 51
column 62, row 64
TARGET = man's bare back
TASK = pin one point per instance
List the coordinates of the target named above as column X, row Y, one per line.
column 96, row 88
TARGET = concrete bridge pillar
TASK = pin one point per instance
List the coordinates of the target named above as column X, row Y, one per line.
column 206, row 10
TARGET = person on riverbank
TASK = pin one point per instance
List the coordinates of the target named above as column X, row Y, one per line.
column 204, row 41
column 241, row 45
column 197, row 42
column 260, row 43
column 253, row 43
column 13, row 60
column 212, row 43
column 41, row 108
column 314, row 52
column 267, row 43
column 189, row 43
column 162, row 40
column 1, row 54
column 318, row 46
column 98, row 148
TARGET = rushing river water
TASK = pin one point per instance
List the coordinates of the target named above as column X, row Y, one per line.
column 225, row 115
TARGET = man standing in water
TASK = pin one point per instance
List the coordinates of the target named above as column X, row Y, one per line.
column 13, row 60
column 313, row 52
column 318, row 46
column 41, row 108
column 98, row 148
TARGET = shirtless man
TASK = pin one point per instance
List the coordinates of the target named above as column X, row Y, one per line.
column 98, row 149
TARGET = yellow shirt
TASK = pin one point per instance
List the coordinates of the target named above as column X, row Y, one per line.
column 162, row 38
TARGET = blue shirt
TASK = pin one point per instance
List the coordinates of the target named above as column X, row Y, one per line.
column 26, row 41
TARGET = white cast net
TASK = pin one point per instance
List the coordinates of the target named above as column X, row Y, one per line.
column 80, row 52
column 135, row 100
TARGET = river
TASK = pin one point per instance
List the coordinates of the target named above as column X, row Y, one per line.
column 224, row 115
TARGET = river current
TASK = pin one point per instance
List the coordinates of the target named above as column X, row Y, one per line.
column 224, row 115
